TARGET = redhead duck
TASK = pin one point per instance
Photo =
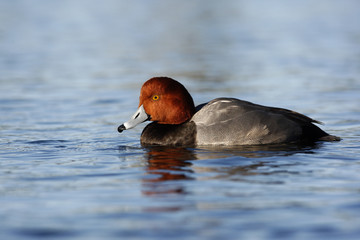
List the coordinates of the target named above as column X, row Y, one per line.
column 222, row 121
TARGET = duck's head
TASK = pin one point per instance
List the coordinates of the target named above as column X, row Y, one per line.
column 164, row 101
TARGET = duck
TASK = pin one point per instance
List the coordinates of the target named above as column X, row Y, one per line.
column 175, row 121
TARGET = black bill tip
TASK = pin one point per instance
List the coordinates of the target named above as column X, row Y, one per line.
column 121, row 128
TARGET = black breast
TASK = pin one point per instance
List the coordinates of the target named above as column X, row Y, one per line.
column 169, row 134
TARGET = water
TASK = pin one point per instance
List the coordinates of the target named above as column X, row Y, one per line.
column 70, row 73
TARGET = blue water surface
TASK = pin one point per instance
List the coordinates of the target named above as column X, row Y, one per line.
column 71, row 71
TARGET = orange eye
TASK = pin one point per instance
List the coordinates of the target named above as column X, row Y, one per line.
column 155, row 97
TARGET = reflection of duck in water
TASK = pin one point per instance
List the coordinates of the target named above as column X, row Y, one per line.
column 164, row 165
column 222, row 121
column 168, row 167
column 257, row 151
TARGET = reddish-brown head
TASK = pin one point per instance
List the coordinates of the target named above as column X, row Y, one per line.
column 166, row 101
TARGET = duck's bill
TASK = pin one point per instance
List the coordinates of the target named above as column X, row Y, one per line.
column 139, row 116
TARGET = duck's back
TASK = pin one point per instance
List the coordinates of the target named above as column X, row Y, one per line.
column 229, row 121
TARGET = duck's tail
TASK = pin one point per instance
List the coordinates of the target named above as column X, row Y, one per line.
column 330, row 138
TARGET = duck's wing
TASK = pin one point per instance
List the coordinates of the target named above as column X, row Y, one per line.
column 229, row 105
column 230, row 120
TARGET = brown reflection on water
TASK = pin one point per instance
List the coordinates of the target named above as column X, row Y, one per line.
column 167, row 166
column 169, row 169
